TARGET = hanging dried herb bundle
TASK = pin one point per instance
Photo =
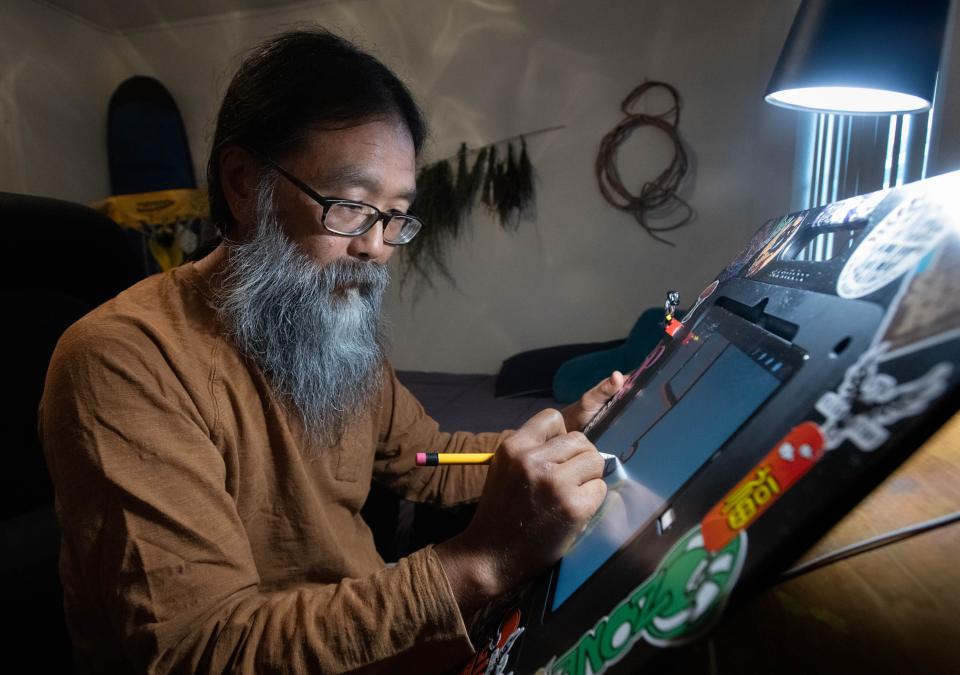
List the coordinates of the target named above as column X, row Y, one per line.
column 446, row 198
column 468, row 180
column 435, row 206
column 527, row 203
column 488, row 198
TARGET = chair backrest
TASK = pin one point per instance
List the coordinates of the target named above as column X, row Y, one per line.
column 62, row 260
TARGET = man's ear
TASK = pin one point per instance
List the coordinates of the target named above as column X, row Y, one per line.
column 238, row 181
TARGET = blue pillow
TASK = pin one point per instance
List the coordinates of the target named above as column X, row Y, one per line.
column 577, row 375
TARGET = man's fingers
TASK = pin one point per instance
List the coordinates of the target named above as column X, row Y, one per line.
column 581, row 468
column 563, row 448
column 539, row 429
column 591, row 495
column 611, row 385
column 578, row 504
column 603, row 390
column 615, row 382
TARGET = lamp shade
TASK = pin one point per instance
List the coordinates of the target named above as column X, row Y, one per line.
column 868, row 57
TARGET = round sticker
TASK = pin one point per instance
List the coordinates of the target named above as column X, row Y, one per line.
column 895, row 245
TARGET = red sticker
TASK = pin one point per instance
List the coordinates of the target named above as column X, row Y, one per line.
column 788, row 462
column 493, row 657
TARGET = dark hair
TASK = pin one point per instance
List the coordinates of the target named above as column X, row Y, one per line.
column 295, row 81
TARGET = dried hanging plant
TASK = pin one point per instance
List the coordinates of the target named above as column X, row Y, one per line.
column 489, row 199
column 434, row 204
column 525, row 189
column 445, row 199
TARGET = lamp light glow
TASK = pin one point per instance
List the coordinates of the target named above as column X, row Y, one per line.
column 867, row 57
column 848, row 100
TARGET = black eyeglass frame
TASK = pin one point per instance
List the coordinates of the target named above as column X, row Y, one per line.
column 326, row 202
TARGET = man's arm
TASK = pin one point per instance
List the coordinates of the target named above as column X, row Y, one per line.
column 544, row 484
column 405, row 430
column 154, row 541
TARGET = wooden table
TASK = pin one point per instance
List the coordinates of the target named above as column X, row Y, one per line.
column 894, row 609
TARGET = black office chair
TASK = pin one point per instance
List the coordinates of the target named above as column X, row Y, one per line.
column 62, row 260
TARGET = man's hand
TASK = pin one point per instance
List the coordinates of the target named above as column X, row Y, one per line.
column 577, row 415
column 543, row 486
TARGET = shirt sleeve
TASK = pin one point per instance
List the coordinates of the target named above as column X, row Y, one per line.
column 154, row 547
column 405, row 430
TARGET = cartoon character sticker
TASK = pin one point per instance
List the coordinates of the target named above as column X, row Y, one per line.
column 683, row 597
column 781, row 235
column 492, row 659
column 758, row 240
column 868, row 401
column 898, row 242
column 789, row 461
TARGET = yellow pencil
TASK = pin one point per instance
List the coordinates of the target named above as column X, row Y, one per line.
column 437, row 458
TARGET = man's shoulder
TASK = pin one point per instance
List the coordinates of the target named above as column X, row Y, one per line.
column 149, row 341
column 162, row 310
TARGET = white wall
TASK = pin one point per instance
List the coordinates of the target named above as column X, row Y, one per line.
column 488, row 69
column 586, row 271
column 56, row 77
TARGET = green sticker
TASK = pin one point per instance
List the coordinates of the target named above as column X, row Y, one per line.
column 675, row 604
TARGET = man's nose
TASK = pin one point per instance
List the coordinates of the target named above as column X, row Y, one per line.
column 369, row 245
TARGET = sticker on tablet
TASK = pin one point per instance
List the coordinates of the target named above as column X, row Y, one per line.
column 683, row 597
column 757, row 242
column 849, row 210
column 897, row 244
column 868, row 401
column 780, row 236
column 789, row 461
column 492, row 659
column 927, row 309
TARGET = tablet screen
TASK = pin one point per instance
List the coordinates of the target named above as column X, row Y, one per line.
column 663, row 438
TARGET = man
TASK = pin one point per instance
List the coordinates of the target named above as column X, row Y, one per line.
column 212, row 433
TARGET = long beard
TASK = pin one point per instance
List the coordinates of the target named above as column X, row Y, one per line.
column 315, row 330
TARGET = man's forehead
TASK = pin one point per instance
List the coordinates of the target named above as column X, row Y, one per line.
column 333, row 173
column 376, row 156
column 336, row 176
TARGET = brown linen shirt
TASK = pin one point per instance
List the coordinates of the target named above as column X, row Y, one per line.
column 197, row 534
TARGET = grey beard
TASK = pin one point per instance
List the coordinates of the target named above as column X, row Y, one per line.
column 315, row 331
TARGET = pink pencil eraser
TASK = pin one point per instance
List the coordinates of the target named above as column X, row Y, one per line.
column 421, row 459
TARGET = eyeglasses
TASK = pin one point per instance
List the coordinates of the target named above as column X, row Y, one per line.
column 350, row 218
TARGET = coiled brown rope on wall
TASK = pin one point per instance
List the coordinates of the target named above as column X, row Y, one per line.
column 658, row 196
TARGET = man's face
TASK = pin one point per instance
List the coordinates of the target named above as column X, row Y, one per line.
column 304, row 303
column 373, row 163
